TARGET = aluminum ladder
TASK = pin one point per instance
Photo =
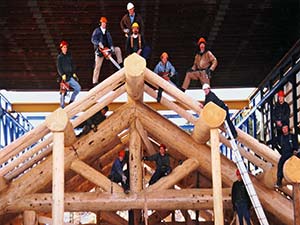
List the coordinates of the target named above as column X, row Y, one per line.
column 246, row 179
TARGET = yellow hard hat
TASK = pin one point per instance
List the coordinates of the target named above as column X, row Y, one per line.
column 135, row 24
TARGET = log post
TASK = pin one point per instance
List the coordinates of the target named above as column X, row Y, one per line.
column 135, row 167
column 57, row 123
column 216, row 177
column 296, row 198
column 135, row 66
column 212, row 116
column 30, row 218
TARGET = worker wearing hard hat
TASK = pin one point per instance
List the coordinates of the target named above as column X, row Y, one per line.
column 281, row 113
column 129, row 18
column 66, row 71
column 136, row 42
column 101, row 39
column 204, row 65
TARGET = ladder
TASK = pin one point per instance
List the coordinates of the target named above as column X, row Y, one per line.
column 246, row 179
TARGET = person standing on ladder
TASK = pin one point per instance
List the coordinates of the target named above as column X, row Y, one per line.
column 240, row 199
column 66, row 71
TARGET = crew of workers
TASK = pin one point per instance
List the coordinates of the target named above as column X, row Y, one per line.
column 203, row 67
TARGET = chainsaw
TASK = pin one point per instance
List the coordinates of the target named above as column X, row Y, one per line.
column 106, row 52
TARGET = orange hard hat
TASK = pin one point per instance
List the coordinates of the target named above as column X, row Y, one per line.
column 280, row 93
column 103, row 19
column 164, row 54
column 237, row 172
column 63, row 43
column 201, row 40
column 121, row 153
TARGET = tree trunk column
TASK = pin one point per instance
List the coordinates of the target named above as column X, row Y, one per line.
column 216, row 177
column 30, row 218
column 57, row 122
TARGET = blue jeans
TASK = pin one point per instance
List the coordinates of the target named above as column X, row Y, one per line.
column 76, row 89
column 243, row 212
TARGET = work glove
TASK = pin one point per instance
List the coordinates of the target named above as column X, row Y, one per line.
column 64, row 77
column 126, row 31
column 101, row 45
column 75, row 77
column 124, row 178
column 112, row 49
column 209, row 73
column 145, row 158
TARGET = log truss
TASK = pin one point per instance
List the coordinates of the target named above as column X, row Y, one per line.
column 87, row 160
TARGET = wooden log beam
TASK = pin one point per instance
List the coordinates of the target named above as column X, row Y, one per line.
column 144, row 135
column 57, row 122
column 91, row 148
column 94, row 176
column 171, row 105
column 296, row 203
column 291, row 170
column 177, row 174
column 91, row 201
column 185, row 100
column 191, row 149
column 30, row 218
column 113, row 218
column 212, row 116
column 134, row 66
column 216, row 176
column 260, row 149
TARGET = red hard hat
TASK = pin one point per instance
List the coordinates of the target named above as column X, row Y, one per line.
column 122, row 153
column 63, row 43
column 237, row 172
column 103, row 19
column 201, row 40
column 162, row 145
column 280, row 93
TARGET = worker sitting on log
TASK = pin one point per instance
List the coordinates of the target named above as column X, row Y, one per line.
column 166, row 70
column 211, row 97
column 287, row 146
column 162, row 161
column 93, row 122
column 117, row 174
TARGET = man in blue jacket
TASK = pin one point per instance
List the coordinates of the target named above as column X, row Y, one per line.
column 102, row 40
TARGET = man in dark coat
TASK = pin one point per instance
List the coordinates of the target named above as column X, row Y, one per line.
column 162, row 161
column 129, row 18
column 117, row 174
column 93, row 122
column 211, row 97
column 287, row 146
column 240, row 199
column 66, row 71
column 281, row 113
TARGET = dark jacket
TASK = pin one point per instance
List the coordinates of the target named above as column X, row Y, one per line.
column 281, row 112
column 211, row 97
column 286, row 144
column 239, row 194
column 134, row 44
column 117, row 167
column 65, row 65
column 126, row 24
column 99, row 37
column 162, row 162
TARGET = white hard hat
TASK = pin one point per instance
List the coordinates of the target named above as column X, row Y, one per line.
column 205, row 86
column 130, row 6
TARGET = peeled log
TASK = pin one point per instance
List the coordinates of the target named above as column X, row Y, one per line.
column 135, row 66
column 291, row 170
column 269, row 177
column 212, row 116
